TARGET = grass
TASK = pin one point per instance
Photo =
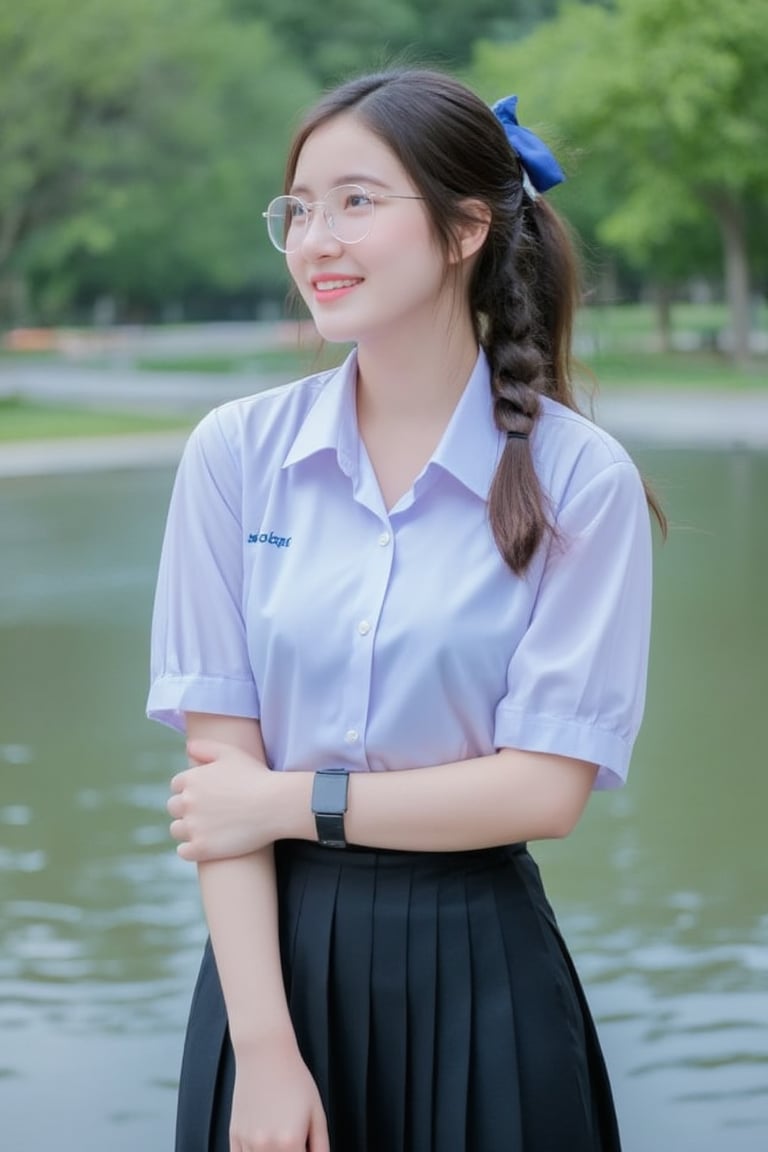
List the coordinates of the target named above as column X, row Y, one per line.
column 293, row 361
column 630, row 324
column 612, row 369
column 683, row 370
column 24, row 420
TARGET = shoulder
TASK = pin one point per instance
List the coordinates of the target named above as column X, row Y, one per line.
column 258, row 429
column 572, row 453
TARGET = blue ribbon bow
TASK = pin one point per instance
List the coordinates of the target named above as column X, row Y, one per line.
column 539, row 164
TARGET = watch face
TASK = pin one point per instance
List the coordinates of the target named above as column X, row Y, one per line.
column 329, row 792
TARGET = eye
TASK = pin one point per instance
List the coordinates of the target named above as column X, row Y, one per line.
column 357, row 199
column 296, row 211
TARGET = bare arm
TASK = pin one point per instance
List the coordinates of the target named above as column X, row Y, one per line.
column 498, row 799
column 241, row 910
column 240, row 902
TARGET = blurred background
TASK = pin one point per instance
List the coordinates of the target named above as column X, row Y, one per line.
column 140, row 141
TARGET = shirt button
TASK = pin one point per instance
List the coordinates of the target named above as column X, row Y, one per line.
column 352, row 736
column 364, row 627
column 384, row 539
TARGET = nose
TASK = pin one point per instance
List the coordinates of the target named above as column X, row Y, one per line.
column 318, row 237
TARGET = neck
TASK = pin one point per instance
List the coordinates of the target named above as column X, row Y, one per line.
column 415, row 378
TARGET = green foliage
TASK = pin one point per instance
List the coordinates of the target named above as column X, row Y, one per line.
column 139, row 141
column 340, row 37
column 666, row 108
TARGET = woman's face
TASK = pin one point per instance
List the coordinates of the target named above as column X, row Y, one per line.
column 389, row 283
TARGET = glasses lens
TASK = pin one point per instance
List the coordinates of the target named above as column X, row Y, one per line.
column 349, row 212
column 286, row 221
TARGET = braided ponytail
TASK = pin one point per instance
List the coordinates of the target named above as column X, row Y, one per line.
column 524, row 290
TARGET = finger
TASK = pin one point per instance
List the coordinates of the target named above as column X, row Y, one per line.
column 178, row 782
column 188, row 853
column 177, row 830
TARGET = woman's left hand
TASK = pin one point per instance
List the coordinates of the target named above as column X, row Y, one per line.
column 221, row 805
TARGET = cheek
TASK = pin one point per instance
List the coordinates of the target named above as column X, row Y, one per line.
column 293, row 263
column 414, row 245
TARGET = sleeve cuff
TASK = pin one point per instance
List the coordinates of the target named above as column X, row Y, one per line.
column 582, row 741
column 171, row 696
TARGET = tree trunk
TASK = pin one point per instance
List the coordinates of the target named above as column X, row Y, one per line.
column 663, row 294
column 730, row 218
column 13, row 301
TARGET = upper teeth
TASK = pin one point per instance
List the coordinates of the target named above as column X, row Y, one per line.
column 328, row 285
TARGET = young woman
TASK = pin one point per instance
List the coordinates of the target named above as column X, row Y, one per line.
column 403, row 616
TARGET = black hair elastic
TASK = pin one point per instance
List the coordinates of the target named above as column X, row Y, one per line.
column 517, row 435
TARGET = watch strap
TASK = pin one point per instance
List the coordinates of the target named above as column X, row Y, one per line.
column 330, row 829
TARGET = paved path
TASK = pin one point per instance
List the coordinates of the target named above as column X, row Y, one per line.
column 687, row 418
column 651, row 417
column 90, row 454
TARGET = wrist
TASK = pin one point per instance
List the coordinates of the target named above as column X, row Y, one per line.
column 329, row 804
column 293, row 809
column 263, row 1036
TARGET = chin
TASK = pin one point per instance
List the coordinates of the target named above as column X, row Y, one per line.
column 334, row 333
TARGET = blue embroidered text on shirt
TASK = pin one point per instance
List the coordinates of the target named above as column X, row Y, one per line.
column 269, row 538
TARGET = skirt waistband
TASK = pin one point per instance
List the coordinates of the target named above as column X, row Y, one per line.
column 361, row 856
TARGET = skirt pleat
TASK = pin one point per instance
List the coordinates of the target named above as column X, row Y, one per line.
column 422, row 1014
column 388, row 1000
column 494, row 1088
column 552, row 1043
column 350, row 994
column 434, row 1002
column 454, row 1017
column 309, row 992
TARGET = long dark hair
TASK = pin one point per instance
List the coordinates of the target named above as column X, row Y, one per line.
column 525, row 285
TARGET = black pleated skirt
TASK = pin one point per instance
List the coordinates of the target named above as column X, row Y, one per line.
column 434, row 1002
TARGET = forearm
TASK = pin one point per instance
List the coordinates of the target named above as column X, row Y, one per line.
column 240, row 902
column 231, row 804
column 499, row 799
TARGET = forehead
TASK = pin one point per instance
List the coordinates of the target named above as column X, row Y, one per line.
column 344, row 150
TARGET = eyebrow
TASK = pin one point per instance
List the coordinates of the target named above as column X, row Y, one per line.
column 364, row 180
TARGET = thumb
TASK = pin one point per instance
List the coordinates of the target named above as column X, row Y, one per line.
column 317, row 1137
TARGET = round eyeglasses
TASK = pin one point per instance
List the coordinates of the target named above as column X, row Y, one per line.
column 347, row 210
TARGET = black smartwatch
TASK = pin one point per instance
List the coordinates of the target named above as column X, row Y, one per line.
column 329, row 803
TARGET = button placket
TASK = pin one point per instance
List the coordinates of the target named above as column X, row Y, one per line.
column 374, row 579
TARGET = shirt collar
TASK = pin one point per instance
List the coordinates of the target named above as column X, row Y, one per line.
column 471, row 446
column 331, row 423
column 469, row 450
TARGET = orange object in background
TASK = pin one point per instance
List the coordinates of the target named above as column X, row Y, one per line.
column 30, row 340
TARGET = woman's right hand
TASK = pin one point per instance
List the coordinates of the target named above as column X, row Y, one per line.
column 276, row 1106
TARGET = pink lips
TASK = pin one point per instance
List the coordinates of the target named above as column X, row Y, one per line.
column 329, row 288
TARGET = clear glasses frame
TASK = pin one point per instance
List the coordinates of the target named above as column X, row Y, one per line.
column 348, row 211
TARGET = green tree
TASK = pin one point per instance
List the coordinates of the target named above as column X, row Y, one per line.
column 139, row 141
column 670, row 103
column 340, row 37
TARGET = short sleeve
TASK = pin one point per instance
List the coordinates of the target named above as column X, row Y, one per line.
column 576, row 682
column 199, row 655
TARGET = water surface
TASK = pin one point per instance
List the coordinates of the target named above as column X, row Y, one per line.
column 661, row 891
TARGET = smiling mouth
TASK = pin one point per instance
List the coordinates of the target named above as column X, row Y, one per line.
column 334, row 285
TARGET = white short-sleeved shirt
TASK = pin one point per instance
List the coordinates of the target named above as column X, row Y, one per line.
column 375, row 640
